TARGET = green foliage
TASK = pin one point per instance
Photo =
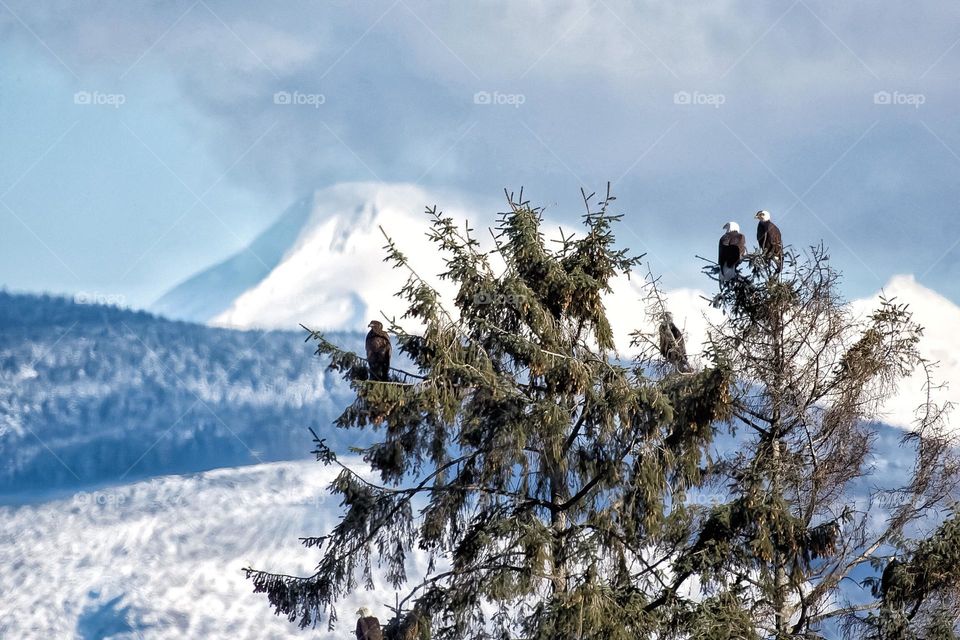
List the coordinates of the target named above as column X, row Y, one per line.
column 920, row 593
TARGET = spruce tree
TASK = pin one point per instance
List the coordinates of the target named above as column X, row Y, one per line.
column 803, row 512
column 557, row 489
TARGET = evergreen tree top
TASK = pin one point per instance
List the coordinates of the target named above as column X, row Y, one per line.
column 553, row 486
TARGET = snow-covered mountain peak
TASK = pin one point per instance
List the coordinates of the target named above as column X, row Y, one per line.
column 333, row 275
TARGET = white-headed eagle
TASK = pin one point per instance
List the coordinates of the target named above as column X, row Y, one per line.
column 368, row 627
column 378, row 352
column 733, row 246
column 769, row 239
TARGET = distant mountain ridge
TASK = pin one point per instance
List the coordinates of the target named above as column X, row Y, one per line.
column 98, row 395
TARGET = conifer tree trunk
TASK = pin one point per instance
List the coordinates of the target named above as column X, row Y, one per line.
column 780, row 582
column 558, row 523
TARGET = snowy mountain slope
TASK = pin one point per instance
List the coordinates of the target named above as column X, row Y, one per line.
column 93, row 394
column 211, row 291
column 162, row 558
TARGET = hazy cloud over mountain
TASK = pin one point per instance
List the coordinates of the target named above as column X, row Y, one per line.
column 836, row 117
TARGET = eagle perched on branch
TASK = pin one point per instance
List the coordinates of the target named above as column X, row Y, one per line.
column 368, row 627
column 378, row 352
column 769, row 239
column 672, row 346
column 733, row 246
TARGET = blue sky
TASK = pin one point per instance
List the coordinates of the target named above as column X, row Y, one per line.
column 142, row 142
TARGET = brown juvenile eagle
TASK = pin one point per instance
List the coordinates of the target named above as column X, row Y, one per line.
column 368, row 627
column 769, row 239
column 672, row 346
column 378, row 352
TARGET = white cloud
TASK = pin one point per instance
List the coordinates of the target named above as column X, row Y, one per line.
column 940, row 344
column 598, row 85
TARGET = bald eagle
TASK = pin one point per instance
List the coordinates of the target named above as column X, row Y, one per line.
column 672, row 346
column 368, row 627
column 378, row 352
column 733, row 246
column 769, row 239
